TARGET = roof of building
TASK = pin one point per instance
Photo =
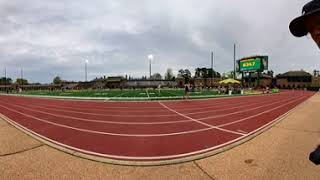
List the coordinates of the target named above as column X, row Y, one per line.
column 255, row 75
column 71, row 86
column 295, row 74
column 115, row 79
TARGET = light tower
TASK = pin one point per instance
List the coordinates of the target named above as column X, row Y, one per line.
column 150, row 58
column 85, row 69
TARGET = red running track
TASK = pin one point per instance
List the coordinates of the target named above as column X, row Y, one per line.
column 148, row 131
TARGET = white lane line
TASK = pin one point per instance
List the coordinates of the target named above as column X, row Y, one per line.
column 236, row 106
column 175, row 95
column 99, row 121
column 117, row 156
column 98, row 114
column 147, row 93
column 213, row 101
column 103, row 133
column 147, row 158
column 129, row 135
column 205, row 124
column 43, row 101
column 115, row 122
column 147, row 107
column 239, row 130
column 243, row 119
column 237, row 112
column 165, row 115
column 81, row 110
column 119, row 95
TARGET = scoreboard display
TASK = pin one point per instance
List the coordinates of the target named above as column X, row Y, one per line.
column 250, row 65
column 253, row 64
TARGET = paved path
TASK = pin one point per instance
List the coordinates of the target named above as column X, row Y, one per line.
column 279, row 153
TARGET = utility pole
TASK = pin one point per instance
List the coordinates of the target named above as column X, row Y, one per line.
column 234, row 61
column 85, row 69
column 149, row 68
column 86, row 72
column 5, row 80
column 21, row 77
column 211, row 68
column 150, row 58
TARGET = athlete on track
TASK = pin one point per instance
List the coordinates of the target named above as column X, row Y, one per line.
column 186, row 91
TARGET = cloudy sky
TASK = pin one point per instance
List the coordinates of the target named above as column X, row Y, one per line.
column 54, row 37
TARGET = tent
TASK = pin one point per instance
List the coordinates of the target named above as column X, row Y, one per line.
column 229, row 81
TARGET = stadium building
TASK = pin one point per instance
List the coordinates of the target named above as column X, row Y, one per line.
column 294, row 79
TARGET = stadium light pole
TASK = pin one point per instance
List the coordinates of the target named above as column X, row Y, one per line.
column 150, row 58
column 5, row 79
column 21, row 76
column 85, row 69
column 234, row 61
column 211, row 68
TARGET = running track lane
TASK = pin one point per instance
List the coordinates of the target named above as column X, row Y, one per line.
column 100, row 116
column 191, row 134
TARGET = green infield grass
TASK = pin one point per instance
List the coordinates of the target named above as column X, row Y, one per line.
column 129, row 94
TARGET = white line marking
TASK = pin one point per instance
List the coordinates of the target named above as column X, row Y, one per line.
column 108, row 155
column 98, row 121
column 58, row 108
column 49, row 107
column 239, row 130
column 119, row 95
column 236, row 106
column 205, row 124
column 98, row 114
column 247, row 110
column 243, row 119
column 174, row 94
column 104, row 133
column 226, row 104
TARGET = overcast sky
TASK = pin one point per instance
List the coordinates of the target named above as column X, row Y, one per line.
column 48, row 38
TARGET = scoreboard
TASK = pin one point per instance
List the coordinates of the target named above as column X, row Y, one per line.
column 253, row 64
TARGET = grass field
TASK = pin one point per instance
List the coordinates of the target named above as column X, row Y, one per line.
column 118, row 94
column 127, row 95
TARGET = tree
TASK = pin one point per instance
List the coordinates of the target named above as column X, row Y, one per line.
column 181, row 73
column 21, row 81
column 186, row 74
column 57, row 80
column 156, row 76
column 270, row 73
column 5, row 81
column 206, row 73
column 197, row 73
column 169, row 74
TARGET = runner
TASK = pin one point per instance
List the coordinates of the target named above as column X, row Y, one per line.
column 159, row 88
column 186, row 91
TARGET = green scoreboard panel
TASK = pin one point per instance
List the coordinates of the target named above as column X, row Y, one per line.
column 250, row 64
column 253, row 64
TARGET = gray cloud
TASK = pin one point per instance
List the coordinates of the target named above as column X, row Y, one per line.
column 48, row 38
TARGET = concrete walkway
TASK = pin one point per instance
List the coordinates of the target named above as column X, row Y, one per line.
column 279, row 153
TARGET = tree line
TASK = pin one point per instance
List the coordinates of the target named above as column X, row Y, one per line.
column 8, row 81
column 168, row 75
